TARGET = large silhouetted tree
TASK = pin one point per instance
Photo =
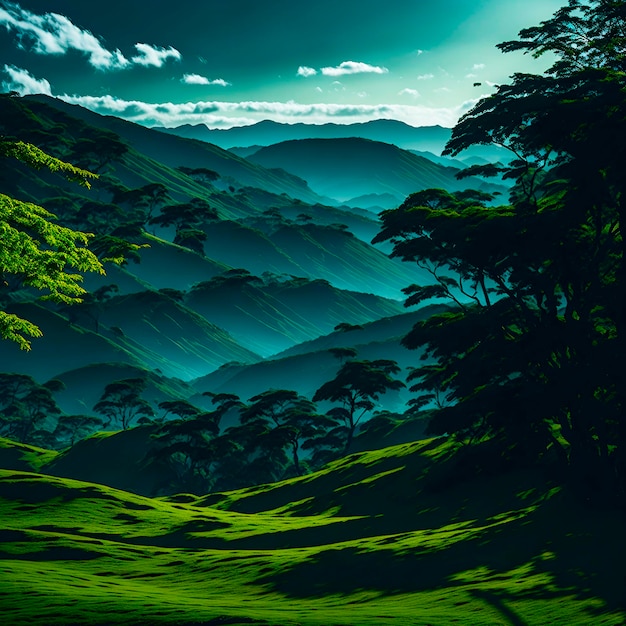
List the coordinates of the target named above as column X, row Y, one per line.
column 533, row 354
column 289, row 420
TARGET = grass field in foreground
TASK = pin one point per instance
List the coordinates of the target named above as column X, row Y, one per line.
column 377, row 538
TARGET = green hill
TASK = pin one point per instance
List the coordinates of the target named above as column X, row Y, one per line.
column 430, row 548
column 63, row 347
column 84, row 385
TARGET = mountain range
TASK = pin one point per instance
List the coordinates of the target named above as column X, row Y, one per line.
column 258, row 299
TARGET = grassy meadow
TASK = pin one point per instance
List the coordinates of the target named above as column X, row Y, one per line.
column 385, row 537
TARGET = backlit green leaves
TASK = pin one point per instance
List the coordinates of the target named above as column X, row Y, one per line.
column 36, row 252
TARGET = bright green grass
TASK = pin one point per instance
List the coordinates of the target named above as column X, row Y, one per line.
column 364, row 542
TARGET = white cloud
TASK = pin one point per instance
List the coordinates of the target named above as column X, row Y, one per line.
column 24, row 82
column 425, row 77
column 353, row 67
column 305, row 71
column 217, row 114
column 197, row 79
column 478, row 66
column 407, row 91
column 154, row 55
column 52, row 33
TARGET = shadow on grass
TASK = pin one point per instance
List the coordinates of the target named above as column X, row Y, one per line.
column 496, row 600
column 556, row 551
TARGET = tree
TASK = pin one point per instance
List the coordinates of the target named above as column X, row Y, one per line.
column 26, row 405
column 36, row 252
column 121, row 402
column 533, row 357
column 286, row 421
column 144, row 199
column 357, row 385
column 191, row 445
column 71, row 428
column 99, row 150
column 187, row 218
column 200, row 174
column 343, row 354
column 92, row 306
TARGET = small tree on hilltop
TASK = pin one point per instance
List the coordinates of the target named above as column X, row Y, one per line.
column 357, row 385
column 121, row 403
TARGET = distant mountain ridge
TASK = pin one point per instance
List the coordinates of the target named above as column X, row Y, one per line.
column 422, row 138
column 268, row 132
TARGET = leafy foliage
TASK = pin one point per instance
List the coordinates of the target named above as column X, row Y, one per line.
column 35, row 251
column 532, row 355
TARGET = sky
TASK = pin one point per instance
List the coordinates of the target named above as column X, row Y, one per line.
column 236, row 62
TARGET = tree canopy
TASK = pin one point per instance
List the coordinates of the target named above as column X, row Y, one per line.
column 532, row 354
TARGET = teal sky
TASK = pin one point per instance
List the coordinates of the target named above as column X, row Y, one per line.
column 235, row 62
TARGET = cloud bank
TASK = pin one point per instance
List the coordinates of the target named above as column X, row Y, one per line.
column 305, row 71
column 353, row 67
column 217, row 114
column 153, row 55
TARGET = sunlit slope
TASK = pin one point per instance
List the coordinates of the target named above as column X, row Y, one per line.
column 374, row 539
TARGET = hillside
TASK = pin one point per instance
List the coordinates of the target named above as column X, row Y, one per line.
column 313, row 551
column 348, row 168
column 84, row 385
column 175, row 151
column 64, row 346
column 172, row 338
column 307, row 365
column 268, row 317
